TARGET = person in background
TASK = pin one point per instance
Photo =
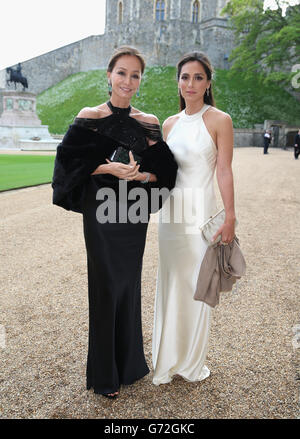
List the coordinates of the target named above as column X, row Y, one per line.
column 267, row 141
column 297, row 145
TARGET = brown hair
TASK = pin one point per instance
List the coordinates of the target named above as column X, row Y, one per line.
column 122, row 51
column 205, row 62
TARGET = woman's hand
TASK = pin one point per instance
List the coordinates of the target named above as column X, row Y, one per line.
column 226, row 231
column 140, row 176
column 224, row 173
column 120, row 170
column 125, row 172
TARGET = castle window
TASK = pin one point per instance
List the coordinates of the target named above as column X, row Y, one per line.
column 120, row 12
column 195, row 14
column 160, row 10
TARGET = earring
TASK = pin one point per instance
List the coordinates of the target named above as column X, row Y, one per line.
column 179, row 92
column 207, row 92
column 109, row 87
column 138, row 93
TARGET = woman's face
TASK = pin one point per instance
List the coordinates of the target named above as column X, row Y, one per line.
column 193, row 81
column 126, row 76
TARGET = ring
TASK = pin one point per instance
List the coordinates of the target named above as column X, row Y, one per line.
column 223, row 243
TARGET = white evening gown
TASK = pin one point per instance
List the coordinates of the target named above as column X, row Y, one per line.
column 181, row 324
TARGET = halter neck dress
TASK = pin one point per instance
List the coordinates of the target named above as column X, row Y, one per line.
column 114, row 243
column 181, row 324
column 114, row 260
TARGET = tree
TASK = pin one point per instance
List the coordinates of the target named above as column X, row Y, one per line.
column 267, row 42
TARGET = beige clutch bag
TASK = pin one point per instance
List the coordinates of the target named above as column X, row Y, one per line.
column 212, row 225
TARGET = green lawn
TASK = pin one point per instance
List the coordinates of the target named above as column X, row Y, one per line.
column 18, row 170
column 247, row 102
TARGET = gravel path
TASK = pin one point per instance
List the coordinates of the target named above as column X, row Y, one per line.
column 253, row 354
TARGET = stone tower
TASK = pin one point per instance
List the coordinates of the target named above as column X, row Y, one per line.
column 163, row 30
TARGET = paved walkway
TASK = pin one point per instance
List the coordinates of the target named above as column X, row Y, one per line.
column 18, row 151
column 253, row 354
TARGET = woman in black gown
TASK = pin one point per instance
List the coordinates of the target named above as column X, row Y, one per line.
column 115, row 244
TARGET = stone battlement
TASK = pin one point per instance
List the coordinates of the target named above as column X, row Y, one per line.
column 162, row 31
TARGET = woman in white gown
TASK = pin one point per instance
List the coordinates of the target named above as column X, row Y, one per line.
column 201, row 139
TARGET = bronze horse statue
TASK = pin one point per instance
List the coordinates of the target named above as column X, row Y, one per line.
column 16, row 76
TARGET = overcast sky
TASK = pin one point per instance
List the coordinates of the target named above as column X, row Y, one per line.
column 32, row 27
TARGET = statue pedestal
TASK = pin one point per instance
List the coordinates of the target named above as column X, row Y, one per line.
column 20, row 127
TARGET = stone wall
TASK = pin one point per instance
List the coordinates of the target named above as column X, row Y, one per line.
column 162, row 43
column 254, row 136
column 52, row 67
column 248, row 137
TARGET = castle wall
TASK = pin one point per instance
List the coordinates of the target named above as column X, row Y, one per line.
column 162, row 43
column 52, row 67
column 175, row 9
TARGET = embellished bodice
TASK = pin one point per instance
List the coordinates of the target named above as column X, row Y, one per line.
column 126, row 130
column 89, row 142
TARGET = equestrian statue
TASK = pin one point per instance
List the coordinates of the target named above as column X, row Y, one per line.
column 16, row 76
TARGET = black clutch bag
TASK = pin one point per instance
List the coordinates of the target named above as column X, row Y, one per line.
column 121, row 155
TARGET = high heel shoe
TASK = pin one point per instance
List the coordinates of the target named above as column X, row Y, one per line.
column 111, row 395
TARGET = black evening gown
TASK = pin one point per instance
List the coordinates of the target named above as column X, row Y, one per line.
column 114, row 258
column 115, row 248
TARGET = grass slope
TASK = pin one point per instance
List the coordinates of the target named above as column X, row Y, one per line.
column 24, row 170
column 247, row 102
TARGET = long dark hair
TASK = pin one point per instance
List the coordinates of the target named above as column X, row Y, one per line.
column 205, row 62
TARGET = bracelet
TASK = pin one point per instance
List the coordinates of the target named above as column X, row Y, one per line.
column 147, row 178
